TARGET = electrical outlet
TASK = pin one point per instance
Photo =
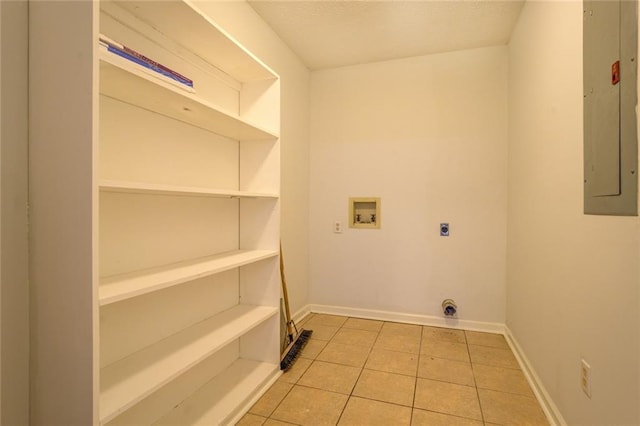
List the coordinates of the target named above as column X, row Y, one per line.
column 585, row 377
column 337, row 227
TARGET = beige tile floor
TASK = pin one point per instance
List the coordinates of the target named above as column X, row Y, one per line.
column 364, row 372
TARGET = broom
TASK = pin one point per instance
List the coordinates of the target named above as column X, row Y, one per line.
column 294, row 340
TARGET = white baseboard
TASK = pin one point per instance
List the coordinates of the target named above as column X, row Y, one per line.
column 301, row 313
column 490, row 327
column 548, row 406
column 244, row 409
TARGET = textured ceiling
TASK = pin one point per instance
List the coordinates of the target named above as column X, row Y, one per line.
column 328, row 34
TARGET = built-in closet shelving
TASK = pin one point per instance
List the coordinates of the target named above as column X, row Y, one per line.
column 227, row 191
column 183, row 218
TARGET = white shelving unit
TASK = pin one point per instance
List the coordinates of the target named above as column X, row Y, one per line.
column 231, row 125
column 157, row 215
column 130, row 380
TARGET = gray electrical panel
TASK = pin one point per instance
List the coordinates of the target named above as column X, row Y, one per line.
column 610, row 40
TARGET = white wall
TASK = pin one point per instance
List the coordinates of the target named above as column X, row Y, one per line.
column 573, row 279
column 244, row 24
column 14, row 293
column 428, row 135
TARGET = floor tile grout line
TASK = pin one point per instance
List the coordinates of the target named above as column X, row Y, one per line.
column 293, row 385
column 358, row 378
column 446, row 381
column 325, row 390
column 495, row 366
column 475, row 382
column 380, row 400
column 505, row 348
column 351, row 395
column 532, row 396
column 282, row 400
column 415, row 382
column 457, row 416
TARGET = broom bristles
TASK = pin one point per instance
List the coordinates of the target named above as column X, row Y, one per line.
column 293, row 350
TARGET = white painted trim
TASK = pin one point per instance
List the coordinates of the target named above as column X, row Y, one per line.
column 548, row 406
column 489, row 327
column 244, row 409
column 301, row 314
column 297, row 317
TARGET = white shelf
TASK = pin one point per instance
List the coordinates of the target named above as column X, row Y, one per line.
column 217, row 401
column 133, row 378
column 134, row 84
column 124, row 286
column 204, row 37
column 161, row 189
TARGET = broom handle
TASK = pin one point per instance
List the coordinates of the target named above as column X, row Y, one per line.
column 286, row 295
